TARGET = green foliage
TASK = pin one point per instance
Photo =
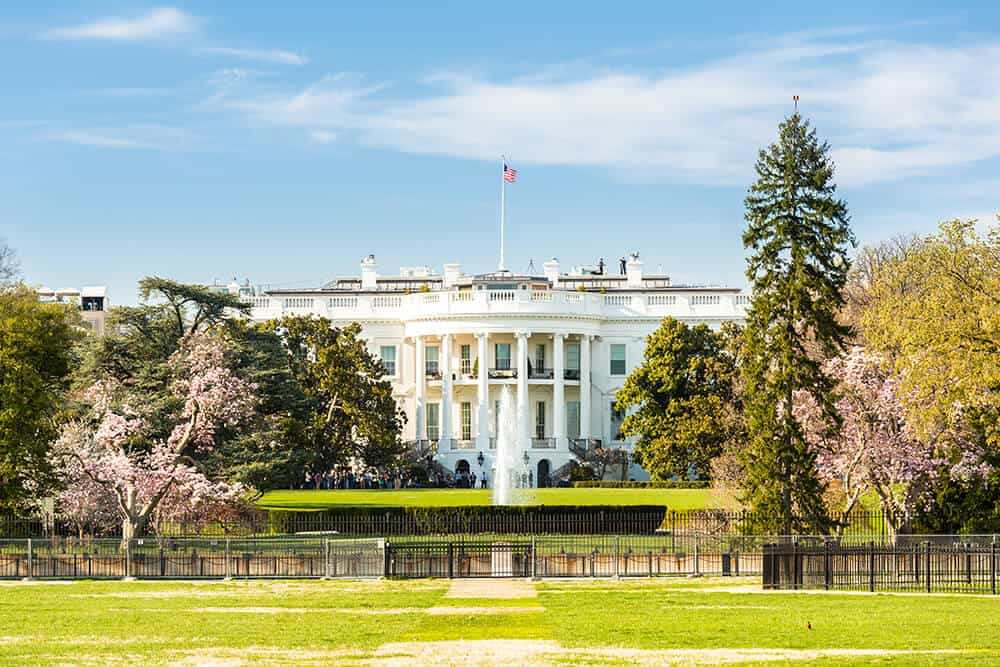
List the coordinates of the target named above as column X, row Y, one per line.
column 349, row 413
column 682, row 393
column 37, row 343
column 651, row 484
column 798, row 235
column 935, row 312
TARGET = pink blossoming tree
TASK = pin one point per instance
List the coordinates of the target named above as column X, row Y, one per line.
column 873, row 449
column 114, row 456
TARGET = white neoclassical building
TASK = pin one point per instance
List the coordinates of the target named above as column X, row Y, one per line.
column 562, row 343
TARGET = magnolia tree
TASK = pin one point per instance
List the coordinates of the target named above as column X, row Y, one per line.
column 873, row 449
column 116, row 456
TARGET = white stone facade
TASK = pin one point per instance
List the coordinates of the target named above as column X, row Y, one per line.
column 562, row 343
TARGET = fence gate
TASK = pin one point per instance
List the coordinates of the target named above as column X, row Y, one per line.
column 457, row 559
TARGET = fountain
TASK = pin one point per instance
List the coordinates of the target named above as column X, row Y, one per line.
column 508, row 481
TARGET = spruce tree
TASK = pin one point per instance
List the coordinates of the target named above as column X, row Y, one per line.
column 798, row 235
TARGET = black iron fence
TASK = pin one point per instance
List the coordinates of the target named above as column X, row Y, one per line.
column 404, row 557
column 965, row 564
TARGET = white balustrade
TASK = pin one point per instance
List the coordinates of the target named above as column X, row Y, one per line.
column 400, row 306
column 343, row 302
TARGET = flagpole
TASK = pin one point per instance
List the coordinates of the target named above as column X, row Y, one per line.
column 503, row 164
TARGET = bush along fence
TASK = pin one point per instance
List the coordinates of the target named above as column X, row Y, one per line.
column 402, row 557
column 513, row 520
column 966, row 564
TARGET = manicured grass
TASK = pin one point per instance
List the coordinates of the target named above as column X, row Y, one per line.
column 574, row 622
column 675, row 499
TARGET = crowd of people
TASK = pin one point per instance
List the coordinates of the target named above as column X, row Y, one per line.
column 394, row 479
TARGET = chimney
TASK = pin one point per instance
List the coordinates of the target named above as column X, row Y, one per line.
column 368, row 272
column 452, row 272
column 633, row 271
column 551, row 269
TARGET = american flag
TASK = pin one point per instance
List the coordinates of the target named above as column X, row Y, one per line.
column 509, row 175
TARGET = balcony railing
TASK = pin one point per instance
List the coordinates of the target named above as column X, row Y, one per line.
column 503, row 373
column 572, row 374
column 543, row 443
column 463, row 444
column 541, row 374
column 709, row 303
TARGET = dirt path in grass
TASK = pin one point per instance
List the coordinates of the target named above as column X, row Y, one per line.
column 501, row 589
column 517, row 652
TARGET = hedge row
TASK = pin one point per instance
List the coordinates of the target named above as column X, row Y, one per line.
column 524, row 519
column 658, row 484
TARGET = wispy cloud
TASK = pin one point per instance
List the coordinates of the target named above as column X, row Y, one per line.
column 890, row 109
column 159, row 23
column 272, row 56
column 131, row 137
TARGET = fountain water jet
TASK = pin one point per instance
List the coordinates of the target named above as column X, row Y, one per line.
column 508, row 479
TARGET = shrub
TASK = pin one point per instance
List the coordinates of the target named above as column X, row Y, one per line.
column 652, row 484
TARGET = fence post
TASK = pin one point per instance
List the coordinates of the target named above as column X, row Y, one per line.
column 993, row 566
column 928, row 560
column 387, row 558
column 534, row 559
column 326, row 559
column 618, row 554
column 229, row 573
column 826, row 564
column 451, row 560
column 31, row 561
column 128, row 560
column 871, row 567
column 697, row 571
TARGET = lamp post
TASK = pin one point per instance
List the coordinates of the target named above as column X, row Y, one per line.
column 480, row 459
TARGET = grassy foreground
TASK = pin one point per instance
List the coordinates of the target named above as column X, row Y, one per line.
column 641, row 622
column 675, row 499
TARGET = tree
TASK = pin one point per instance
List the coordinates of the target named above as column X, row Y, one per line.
column 875, row 450
column 8, row 266
column 935, row 314
column 120, row 449
column 37, row 343
column 798, row 235
column 682, row 394
column 352, row 418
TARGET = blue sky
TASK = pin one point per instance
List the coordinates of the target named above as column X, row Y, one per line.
column 209, row 140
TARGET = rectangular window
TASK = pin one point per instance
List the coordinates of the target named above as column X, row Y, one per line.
column 466, row 421
column 617, row 359
column 433, row 421
column 466, row 360
column 503, row 356
column 540, row 419
column 388, row 356
column 431, row 361
column 573, row 419
column 573, row 357
column 540, row 357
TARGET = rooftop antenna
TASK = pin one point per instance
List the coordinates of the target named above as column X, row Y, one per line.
column 795, row 101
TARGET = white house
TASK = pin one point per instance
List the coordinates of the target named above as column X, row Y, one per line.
column 563, row 343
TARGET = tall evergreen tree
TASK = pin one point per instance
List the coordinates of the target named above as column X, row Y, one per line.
column 799, row 236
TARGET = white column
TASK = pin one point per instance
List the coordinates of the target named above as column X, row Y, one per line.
column 483, row 409
column 420, row 382
column 522, row 389
column 559, row 392
column 585, row 386
column 446, row 433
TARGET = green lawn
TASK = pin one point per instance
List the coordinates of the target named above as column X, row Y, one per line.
column 675, row 499
column 632, row 622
